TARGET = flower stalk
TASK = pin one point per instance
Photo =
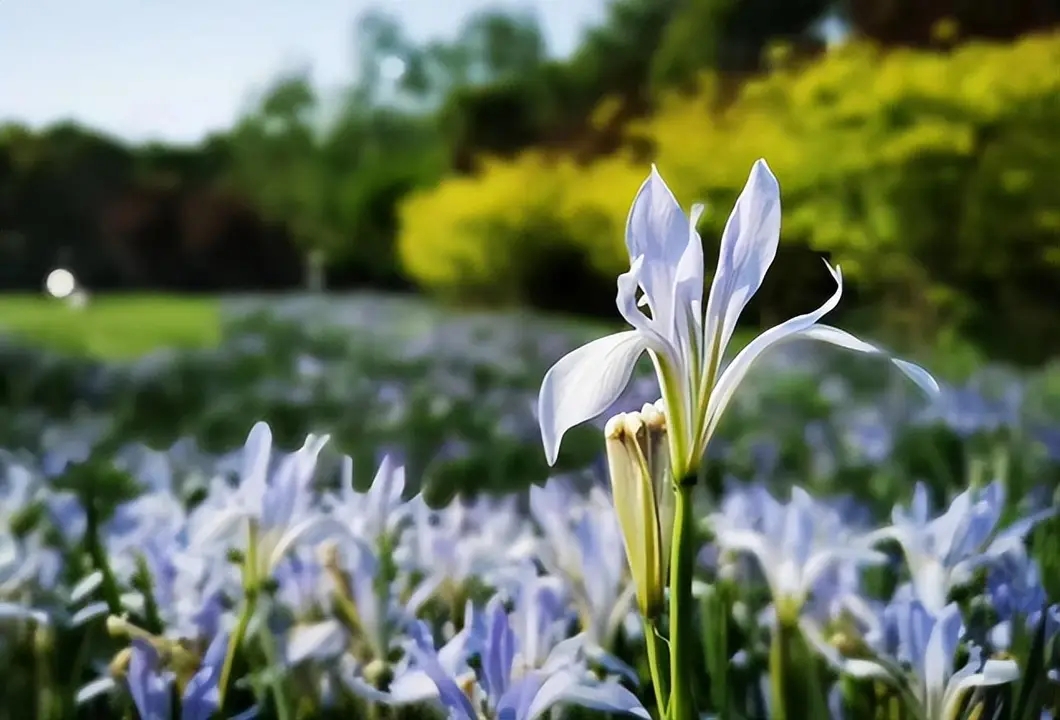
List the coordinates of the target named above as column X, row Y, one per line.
column 656, row 657
column 682, row 699
column 685, row 335
column 249, row 607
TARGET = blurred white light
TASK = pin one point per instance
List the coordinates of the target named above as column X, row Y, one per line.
column 60, row 283
column 392, row 68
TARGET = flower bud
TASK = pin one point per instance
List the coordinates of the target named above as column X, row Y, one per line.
column 639, row 464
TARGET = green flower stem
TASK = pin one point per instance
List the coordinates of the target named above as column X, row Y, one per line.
column 276, row 679
column 250, row 606
column 42, row 650
column 714, row 616
column 682, row 702
column 794, row 669
column 94, row 546
column 225, row 681
column 780, row 667
column 656, row 656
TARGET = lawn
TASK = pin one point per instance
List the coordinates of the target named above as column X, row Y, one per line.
column 113, row 328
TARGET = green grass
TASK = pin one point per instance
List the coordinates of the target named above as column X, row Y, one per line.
column 125, row 327
column 115, row 327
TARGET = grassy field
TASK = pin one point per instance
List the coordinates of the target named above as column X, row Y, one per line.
column 125, row 327
column 117, row 327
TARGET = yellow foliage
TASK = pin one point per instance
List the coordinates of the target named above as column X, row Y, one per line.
column 476, row 235
column 914, row 169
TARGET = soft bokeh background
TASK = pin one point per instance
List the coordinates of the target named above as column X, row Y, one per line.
column 385, row 220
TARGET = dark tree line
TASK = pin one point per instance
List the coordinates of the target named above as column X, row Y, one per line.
column 304, row 174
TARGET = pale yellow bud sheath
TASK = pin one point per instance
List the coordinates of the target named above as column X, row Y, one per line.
column 638, row 462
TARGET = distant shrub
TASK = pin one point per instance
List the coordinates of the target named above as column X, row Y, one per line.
column 929, row 176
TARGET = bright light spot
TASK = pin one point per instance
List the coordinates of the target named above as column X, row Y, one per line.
column 60, row 283
column 392, row 68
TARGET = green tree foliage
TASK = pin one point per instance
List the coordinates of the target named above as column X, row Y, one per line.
column 927, row 175
column 919, row 22
column 729, row 35
column 485, row 170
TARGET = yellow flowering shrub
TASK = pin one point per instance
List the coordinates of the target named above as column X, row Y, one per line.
column 931, row 177
column 481, row 237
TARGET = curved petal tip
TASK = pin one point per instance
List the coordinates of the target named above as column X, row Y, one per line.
column 583, row 384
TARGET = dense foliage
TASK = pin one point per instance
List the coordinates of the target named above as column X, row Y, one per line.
column 929, row 185
column 485, row 170
column 96, row 524
column 343, row 508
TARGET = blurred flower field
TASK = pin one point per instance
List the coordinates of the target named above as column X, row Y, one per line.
column 409, row 559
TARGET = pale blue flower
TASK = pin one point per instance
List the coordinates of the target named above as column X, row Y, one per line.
column 583, row 544
column 505, row 689
column 269, row 513
column 151, row 686
column 686, row 341
column 798, row 545
column 378, row 510
column 919, row 658
column 942, row 552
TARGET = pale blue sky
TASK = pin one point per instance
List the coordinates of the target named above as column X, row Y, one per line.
column 177, row 69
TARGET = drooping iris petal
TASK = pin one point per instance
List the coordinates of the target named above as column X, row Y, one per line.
column 802, row 327
column 835, row 336
column 734, row 374
column 201, row 696
column 449, row 693
column 325, row 639
column 568, row 688
column 993, row 672
column 584, row 383
column 517, row 702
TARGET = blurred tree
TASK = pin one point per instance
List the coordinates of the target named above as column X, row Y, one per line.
column 333, row 176
column 729, row 35
column 527, row 100
column 278, row 162
column 929, row 22
column 56, row 183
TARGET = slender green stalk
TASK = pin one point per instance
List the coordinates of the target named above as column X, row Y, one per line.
column 42, row 649
column 714, row 615
column 656, row 655
column 276, row 679
column 250, row 606
column 98, row 555
column 682, row 701
column 780, row 667
column 896, row 710
column 225, row 681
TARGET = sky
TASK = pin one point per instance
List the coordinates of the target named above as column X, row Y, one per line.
column 175, row 70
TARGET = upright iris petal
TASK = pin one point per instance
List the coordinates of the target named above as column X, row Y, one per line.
column 687, row 342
